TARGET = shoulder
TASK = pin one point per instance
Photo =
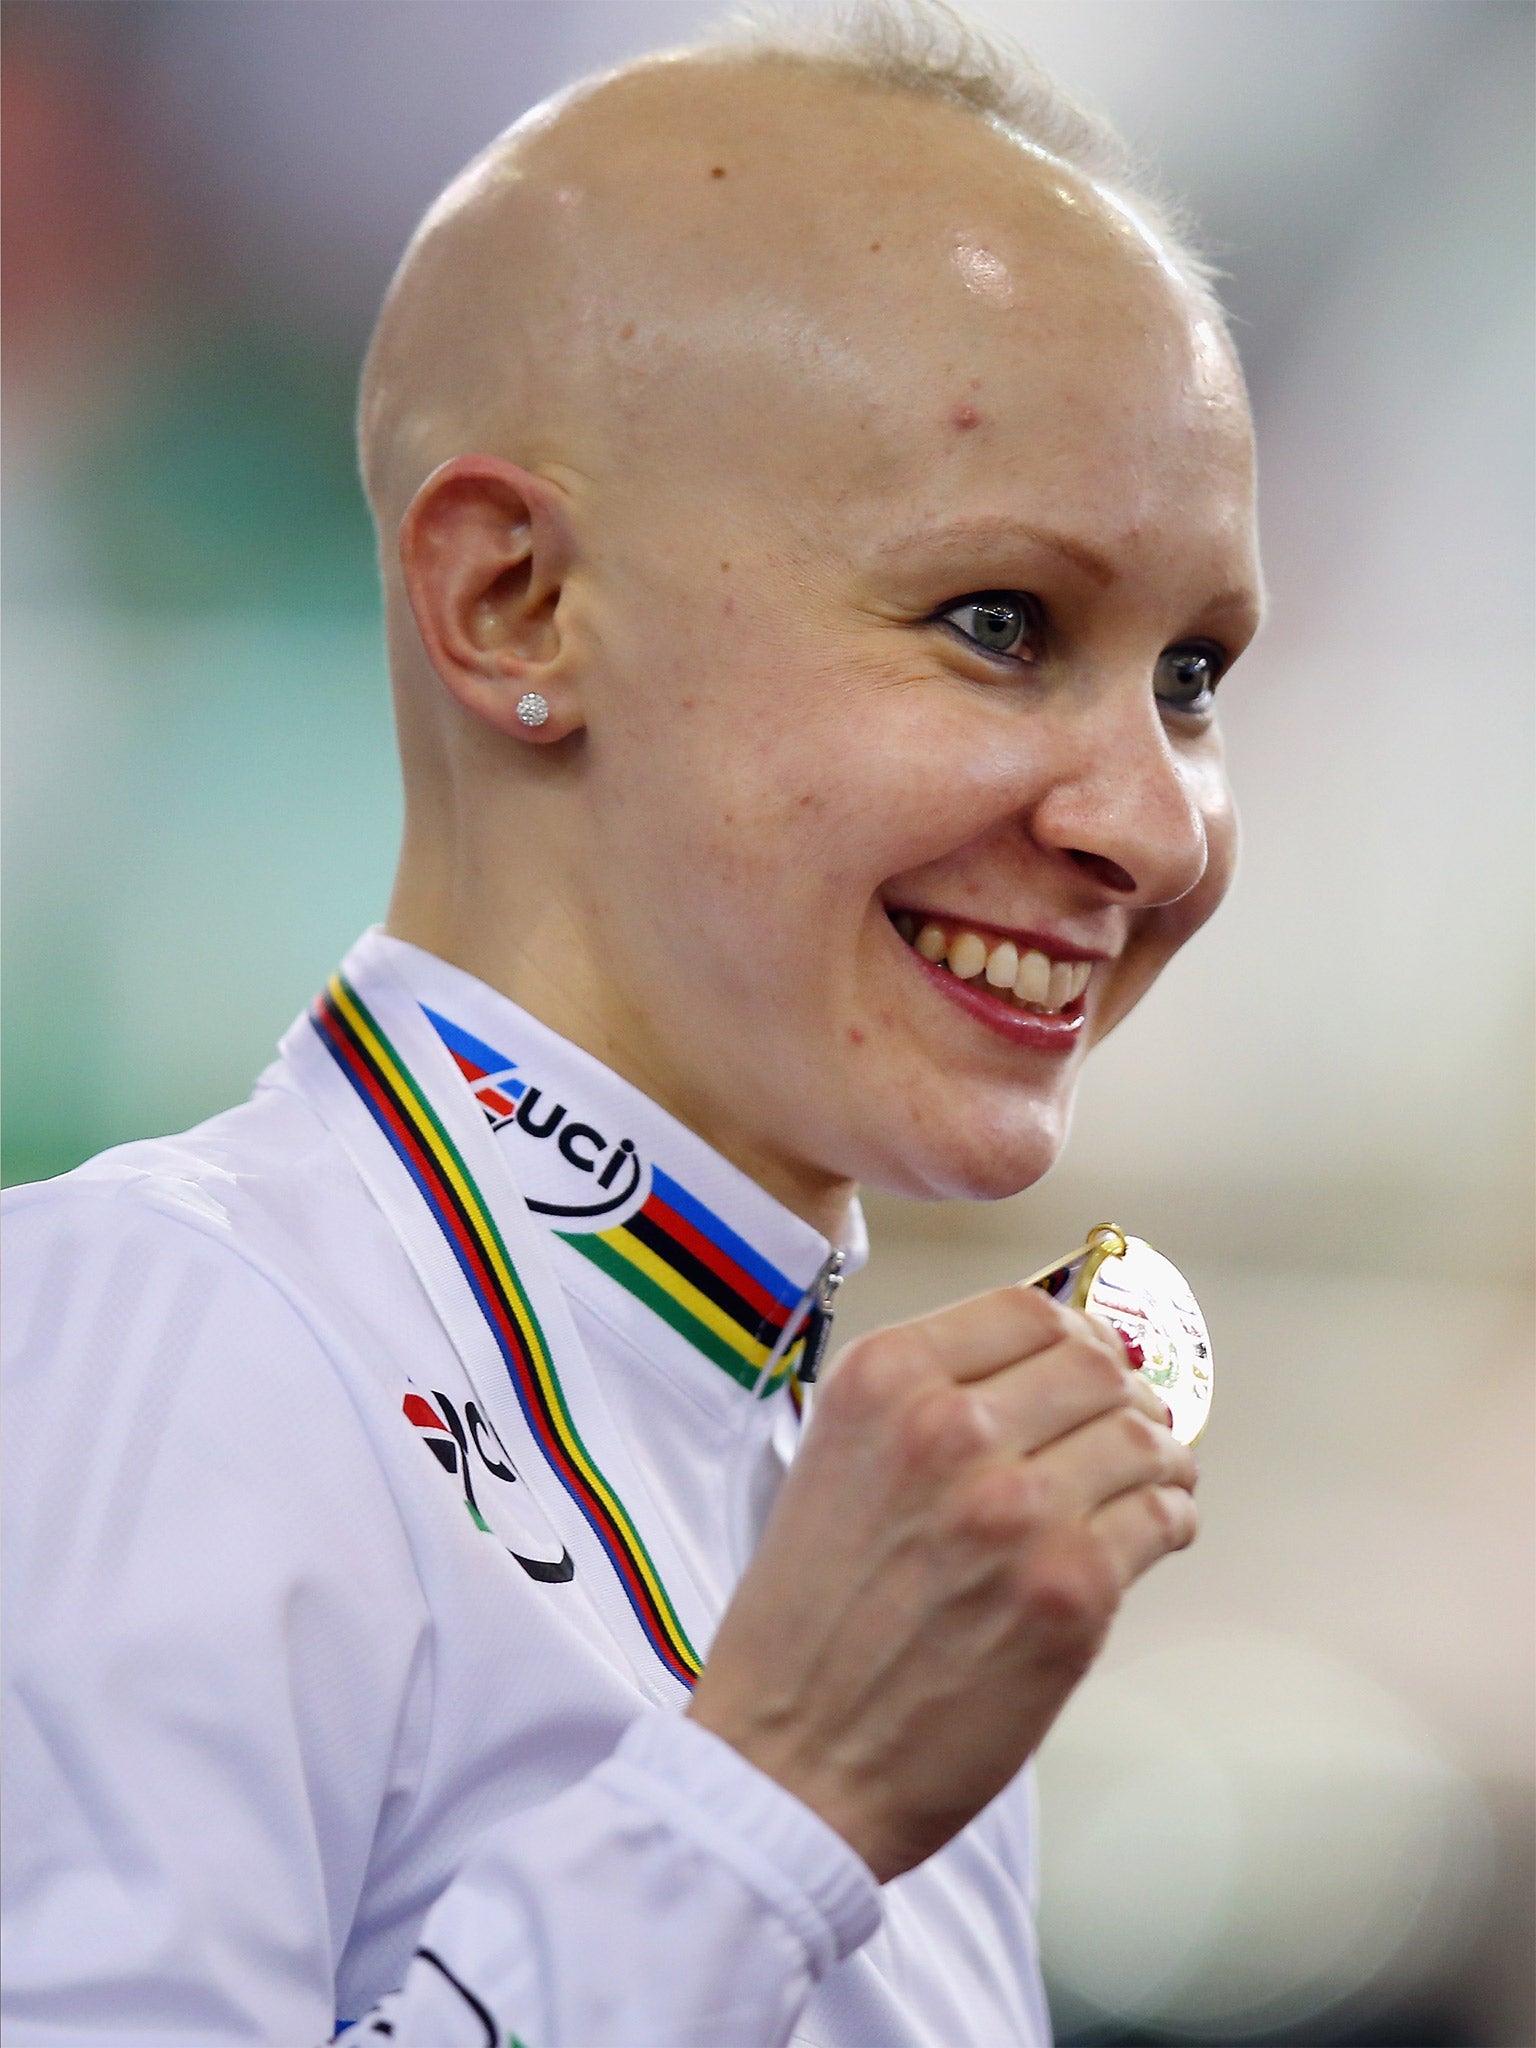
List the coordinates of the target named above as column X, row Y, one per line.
column 178, row 1296
column 244, row 1214
column 186, row 1414
column 219, row 1646
column 228, row 1180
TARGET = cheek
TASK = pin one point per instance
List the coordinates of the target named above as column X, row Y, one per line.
column 717, row 822
column 801, row 778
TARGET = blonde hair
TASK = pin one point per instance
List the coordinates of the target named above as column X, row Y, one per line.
column 927, row 48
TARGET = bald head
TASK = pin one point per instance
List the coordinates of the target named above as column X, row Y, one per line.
column 713, row 414
column 608, row 279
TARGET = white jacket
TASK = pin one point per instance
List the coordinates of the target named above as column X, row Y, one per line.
column 348, row 1628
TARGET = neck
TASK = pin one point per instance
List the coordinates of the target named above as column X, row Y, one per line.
column 543, row 966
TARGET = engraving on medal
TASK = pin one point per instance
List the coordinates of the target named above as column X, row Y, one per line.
column 1147, row 1299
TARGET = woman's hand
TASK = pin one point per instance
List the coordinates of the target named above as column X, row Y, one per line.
column 974, row 1493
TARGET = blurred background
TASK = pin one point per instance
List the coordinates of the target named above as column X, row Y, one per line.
column 1294, row 1803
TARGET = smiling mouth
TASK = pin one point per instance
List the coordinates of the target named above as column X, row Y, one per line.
column 1027, row 978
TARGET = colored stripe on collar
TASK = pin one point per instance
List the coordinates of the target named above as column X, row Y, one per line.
column 683, row 1262
column 675, row 1254
column 402, row 1112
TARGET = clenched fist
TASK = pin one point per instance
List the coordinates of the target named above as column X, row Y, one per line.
column 975, row 1491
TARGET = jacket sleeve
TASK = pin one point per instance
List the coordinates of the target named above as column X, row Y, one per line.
column 213, row 1644
column 675, row 1898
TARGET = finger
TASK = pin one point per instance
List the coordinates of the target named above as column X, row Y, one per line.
column 1144, row 1393
column 973, row 1339
column 1135, row 1529
column 1113, row 1454
column 1058, row 1390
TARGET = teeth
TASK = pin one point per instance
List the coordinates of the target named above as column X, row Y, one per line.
column 967, row 956
column 1032, row 984
column 1003, row 964
column 1032, row 978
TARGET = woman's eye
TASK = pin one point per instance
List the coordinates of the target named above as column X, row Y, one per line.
column 998, row 621
column 1187, row 676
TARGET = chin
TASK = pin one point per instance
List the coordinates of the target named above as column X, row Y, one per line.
column 985, row 1159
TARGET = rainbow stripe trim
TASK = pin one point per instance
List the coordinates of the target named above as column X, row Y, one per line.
column 675, row 1254
column 390, row 1093
column 692, row 1269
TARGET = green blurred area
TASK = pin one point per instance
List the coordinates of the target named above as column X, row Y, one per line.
column 200, row 805
column 230, row 485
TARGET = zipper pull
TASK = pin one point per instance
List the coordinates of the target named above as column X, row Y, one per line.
column 818, row 1325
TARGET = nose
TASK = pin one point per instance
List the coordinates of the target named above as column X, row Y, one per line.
column 1125, row 806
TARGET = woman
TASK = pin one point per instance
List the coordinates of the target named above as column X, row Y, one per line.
column 815, row 502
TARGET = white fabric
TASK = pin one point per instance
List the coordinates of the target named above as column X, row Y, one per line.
column 280, row 1711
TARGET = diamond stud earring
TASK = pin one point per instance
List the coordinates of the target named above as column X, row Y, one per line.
column 532, row 709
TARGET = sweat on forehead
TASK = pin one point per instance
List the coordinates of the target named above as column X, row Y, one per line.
column 608, row 277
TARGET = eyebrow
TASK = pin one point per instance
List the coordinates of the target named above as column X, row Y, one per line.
column 1096, row 567
column 999, row 529
column 991, row 531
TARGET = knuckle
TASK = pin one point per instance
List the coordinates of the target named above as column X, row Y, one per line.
column 1174, row 1517
column 1160, row 1510
column 853, row 1384
column 1147, row 1442
column 1002, row 1507
column 943, row 1428
column 1182, row 1465
column 1067, row 1593
column 869, row 1373
column 1110, row 1374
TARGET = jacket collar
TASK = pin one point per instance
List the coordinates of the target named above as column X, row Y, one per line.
column 641, row 1198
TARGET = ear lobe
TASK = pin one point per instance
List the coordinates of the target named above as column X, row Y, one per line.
column 485, row 548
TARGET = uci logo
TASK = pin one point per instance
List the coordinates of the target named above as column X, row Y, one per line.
column 465, row 1442
column 615, row 1168
column 591, row 1175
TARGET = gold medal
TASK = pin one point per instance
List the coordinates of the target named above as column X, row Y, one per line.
column 1147, row 1299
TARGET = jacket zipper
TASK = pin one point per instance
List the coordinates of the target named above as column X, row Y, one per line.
column 818, row 1324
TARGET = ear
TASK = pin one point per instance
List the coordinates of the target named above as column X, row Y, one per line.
column 485, row 548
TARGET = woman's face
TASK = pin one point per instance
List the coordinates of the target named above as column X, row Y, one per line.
column 903, row 773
